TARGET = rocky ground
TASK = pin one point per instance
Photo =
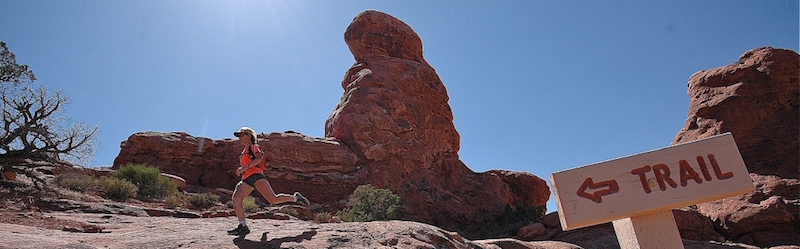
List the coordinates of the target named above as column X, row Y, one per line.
column 66, row 219
column 123, row 231
column 63, row 230
column 60, row 218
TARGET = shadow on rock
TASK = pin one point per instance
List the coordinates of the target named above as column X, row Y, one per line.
column 244, row 243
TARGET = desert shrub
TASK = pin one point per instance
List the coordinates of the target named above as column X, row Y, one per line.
column 509, row 221
column 173, row 201
column 249, row 203
column 118, row 189
column 324, row 217
column 203, row 201
column 148, row 179
column 217, row 208
column 524, row 214
column 290, row 211
column 76, row 182
column 741, row 60
column 370, row 204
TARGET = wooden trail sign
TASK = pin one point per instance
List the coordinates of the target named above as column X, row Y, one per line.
column 640, row 191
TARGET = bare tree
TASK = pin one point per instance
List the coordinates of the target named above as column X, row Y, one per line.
column 34, row 125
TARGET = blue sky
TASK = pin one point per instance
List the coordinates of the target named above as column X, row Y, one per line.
column 534, row 86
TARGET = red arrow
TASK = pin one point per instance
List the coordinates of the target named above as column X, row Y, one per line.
column 611, row 184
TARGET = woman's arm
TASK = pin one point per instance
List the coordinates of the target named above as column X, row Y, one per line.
column 255, row 161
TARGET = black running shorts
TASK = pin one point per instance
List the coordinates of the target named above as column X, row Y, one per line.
column 252, row 179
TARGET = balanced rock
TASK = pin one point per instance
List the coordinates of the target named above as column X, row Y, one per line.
column 394, row 113
column 394, row 103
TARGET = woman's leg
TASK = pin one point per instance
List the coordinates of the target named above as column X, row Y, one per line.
column 241, row 191
column 266, row 190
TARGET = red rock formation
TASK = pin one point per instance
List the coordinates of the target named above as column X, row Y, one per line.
column 392, row 128
column 757, row 99
column 764, row 217
column 394, row 103
column 394, row 113
column 297, row 162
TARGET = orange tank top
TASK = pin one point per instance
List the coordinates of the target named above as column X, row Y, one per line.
column 244, row 160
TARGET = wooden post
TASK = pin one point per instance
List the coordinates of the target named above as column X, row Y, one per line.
column 655, row 230
column 638, row 192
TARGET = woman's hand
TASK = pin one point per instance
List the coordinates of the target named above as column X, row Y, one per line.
column 239, row 171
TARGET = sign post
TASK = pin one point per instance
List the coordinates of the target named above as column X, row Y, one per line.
column 638, row 192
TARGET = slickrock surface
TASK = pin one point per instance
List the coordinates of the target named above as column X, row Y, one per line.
column 122, row 231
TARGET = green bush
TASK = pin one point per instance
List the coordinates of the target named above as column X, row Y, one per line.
column 508, row 222
column 76, row 182
column 524, row 214
column 117, row 189
column 149, row 180
column 370, row 204
column 249, row 203
column 204, row 200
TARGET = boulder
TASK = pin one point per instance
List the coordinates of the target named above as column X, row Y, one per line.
column 531, row 231
column 693, row 225
column 10, row 175
column 179, row 182
column 765, row 217
column 757, row 99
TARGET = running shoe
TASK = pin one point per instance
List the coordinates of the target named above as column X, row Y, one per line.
column 301, row 199
column 240, row 230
